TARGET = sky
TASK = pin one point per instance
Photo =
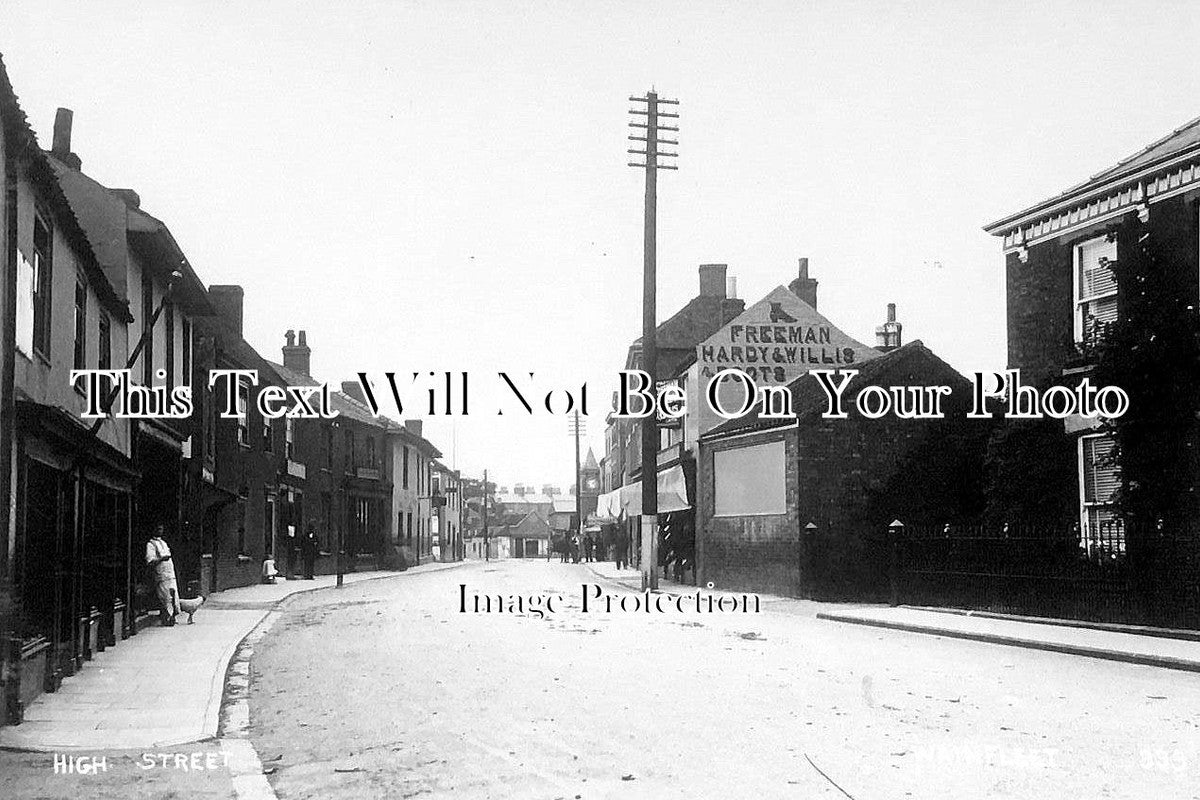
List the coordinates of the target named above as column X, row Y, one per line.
column 443, row 185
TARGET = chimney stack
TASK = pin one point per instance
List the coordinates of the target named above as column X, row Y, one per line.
column 805, row 287
column 61, row 147
column 712, row 280
column 228, row 300
column 414, row 426
column 887, row 335
column 297, row 357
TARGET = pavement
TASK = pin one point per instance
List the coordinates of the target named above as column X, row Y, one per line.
column 164, row 686
column 1114, row 643
column 1130, row 644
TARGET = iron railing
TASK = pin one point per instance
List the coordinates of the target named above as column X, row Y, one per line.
column 1115, row 571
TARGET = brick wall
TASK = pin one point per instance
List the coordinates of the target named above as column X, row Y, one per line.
column 754, row 553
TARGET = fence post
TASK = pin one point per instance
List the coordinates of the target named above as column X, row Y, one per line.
column 808, row 557
column 894, row 531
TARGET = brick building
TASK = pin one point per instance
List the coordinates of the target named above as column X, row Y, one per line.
column 235, row 465
column 1062, row 292
column 338, row 475
column 761, row 482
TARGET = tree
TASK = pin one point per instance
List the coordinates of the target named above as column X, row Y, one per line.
column 1152, row 351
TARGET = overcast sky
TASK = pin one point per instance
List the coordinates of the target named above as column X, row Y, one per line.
column 442, row 186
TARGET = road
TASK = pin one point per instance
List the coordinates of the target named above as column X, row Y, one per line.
column 385, row 689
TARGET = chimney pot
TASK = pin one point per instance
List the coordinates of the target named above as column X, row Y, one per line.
column 731, row 288
column 804, row 269
column 891, row 312
column 297, row 357
column 712, row 280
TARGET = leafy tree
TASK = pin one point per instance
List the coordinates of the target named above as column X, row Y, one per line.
column 1152, row 351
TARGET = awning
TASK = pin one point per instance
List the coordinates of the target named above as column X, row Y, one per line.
column 672, row 496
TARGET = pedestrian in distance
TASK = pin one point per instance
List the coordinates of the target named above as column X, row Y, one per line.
column 621, row 549
column 589, row 547
column 162, row 576
column 292, row 547
column 308, row 551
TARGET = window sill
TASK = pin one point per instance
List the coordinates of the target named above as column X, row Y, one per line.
column 243, row 559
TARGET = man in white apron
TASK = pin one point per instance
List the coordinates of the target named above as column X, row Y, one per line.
column 162, row 576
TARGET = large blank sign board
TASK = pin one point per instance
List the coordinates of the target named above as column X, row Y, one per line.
column 749, row 480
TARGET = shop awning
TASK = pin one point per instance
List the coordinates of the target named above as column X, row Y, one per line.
column 672, row 496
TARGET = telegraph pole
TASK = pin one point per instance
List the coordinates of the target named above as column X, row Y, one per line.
column 487, row 555
column 649, row 518
column 577, row 428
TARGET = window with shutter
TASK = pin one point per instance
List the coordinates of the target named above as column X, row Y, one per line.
column 1103, row 532
column 1095, row 288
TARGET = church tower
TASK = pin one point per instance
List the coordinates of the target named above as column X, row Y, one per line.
column 589, row 484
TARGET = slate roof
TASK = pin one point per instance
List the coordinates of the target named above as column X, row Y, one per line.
column 342, row 403
column 21, row 139
column 531, row 526
column 1177, row 142
column 914, row 364
column 238, row 349
column 677, row 337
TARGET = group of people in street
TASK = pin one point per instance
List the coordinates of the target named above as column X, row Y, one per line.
column 306, row 549
column 611, row 543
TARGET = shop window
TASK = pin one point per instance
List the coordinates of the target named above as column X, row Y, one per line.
column 1095, row 288
column 749, row 480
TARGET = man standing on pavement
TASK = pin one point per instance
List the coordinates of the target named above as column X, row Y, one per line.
column 308, row 551
column 622, row 548
column 162, row 576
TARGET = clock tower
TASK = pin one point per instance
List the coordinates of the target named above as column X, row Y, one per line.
column 589, row 484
